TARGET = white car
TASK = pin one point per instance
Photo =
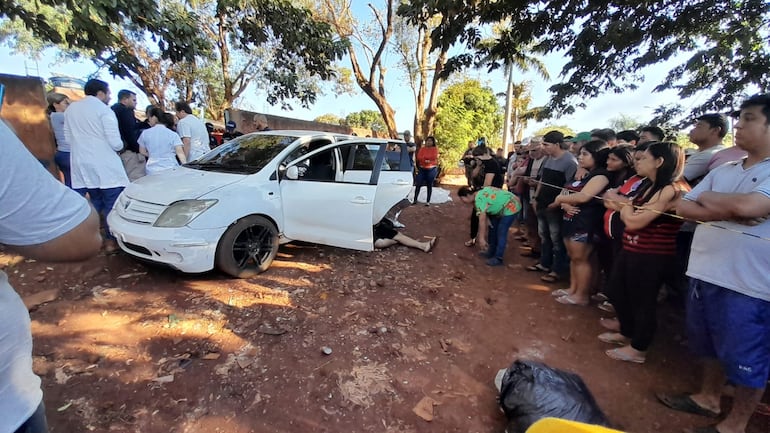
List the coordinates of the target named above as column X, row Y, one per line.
column 232, row 208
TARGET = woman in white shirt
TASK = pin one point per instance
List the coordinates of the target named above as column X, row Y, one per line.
column 160, row 144
column 57, row 104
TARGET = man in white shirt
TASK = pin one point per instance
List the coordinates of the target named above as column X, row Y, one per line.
column 728, row 303
column 92, row 131
column 195, row 136
column 43, row 219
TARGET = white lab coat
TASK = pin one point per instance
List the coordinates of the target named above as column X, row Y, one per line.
column 91, row 128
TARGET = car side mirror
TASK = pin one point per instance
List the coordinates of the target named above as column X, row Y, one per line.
column 292, row 172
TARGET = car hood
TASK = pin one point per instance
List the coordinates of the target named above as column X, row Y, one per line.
column 179, row 184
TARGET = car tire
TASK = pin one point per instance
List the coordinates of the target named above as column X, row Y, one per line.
column 248, row 247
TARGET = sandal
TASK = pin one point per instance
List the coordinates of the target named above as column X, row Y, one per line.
column 569, row 300
column 606, row 306
column 470, row 243
column 599, row 297
column 617, row 355
column 611, row 324
column 613, row 338
column 431, row 243
column 537, row 268
column 683, row 403
column 550, row 277
column 558, row 293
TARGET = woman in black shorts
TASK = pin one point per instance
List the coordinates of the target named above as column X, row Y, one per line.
column 583, row 223
column 385, row 235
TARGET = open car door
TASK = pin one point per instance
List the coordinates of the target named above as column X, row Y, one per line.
column 321, row 206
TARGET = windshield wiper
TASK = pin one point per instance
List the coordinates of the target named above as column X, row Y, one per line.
column 248, row 169
column 202, row 164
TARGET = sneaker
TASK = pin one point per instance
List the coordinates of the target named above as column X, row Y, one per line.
column 485, row 254
column 495, row 261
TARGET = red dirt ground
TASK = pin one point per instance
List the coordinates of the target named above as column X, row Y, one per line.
column 127, row 347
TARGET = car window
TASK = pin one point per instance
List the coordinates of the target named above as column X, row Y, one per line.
column 362, row 157
column 247, row 154
column 303, row 150
column 320, row 167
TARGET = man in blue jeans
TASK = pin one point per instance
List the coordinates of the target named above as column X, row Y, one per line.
column 497, row 210
column 557, row 170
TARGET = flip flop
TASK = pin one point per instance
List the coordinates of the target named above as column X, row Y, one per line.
column 431, row 243
column 599, row 297
column 558, row 293
column 683, row 403
column 470, row 243
column 617, row 355
column 610, row 324
column 569, row 300
column 613, row 338
column 606, row 306
column 537, row 268
column 550, row 277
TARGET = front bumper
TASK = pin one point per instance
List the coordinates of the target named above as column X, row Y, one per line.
column 182, row 248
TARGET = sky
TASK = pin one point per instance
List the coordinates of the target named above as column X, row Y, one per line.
column 637, row 104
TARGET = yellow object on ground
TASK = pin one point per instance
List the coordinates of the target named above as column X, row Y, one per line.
column 556, row 425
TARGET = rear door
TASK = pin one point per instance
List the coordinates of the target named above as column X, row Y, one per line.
column 320, row 206
column 393, row 174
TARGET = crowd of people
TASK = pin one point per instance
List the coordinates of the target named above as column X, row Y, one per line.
column 619, row 216
column 101, row 148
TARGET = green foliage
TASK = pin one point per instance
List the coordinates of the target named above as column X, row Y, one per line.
column 91, row 25
column 368, row 119
column 623, row 122
column 160, row 47
column 684, row 141
column 521, row 112
column 608, row 44
column 566, row 130
column 330, row 118
column 467, row 110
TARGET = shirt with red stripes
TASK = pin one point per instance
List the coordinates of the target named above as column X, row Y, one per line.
column 657, row 237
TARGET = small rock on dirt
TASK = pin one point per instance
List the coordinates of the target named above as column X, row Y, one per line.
column 39, row 298
column 424, row 408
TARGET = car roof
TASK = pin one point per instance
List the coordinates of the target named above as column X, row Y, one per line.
column 294, row 132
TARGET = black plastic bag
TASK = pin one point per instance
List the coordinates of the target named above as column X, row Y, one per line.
column 532, row 390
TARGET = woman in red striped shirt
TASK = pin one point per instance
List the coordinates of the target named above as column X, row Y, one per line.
column 648, row 256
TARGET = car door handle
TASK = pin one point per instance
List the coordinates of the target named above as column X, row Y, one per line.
column 360, row 200
column 402, row 182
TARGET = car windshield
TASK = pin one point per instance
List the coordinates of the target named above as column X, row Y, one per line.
column 246, row 154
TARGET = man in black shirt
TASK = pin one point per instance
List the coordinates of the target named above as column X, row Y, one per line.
column 133, row 161
column 558, row 170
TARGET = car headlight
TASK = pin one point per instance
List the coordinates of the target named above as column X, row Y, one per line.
column 183, row 212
